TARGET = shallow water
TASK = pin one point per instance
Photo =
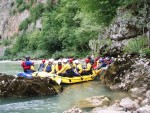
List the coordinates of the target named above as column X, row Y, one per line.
column 70, row 96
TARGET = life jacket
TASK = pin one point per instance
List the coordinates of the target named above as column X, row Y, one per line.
column 25, row 66
column 90, row 71
column 41, row 67
column 59, row 67
column 94, row 66
column 71, row 70
column 48, row 68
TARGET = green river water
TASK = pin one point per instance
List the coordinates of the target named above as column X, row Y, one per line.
column 70, row 96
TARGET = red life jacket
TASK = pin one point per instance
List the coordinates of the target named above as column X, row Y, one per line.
column 25, row 67
column 59, row 67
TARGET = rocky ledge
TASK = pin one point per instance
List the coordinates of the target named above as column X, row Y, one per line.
column 18, row 86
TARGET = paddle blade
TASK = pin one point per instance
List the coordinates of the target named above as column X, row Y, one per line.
column 58, row 80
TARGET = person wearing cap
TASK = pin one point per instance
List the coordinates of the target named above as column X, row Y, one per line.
column 68, row 69
column 87, row 70
column 42, row 65
column 78, row 67
column 59, row 66
column 28, row 66
column 50, row 68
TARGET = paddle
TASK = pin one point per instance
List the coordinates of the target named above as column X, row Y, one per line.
column 80, row 76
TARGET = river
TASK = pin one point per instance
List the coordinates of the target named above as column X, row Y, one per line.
column 70, row 96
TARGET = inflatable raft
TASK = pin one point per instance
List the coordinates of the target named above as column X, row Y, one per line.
column 65, row 80
column 25, row 75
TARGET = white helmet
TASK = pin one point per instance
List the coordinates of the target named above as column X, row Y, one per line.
column 65, row 60
column 59, row 61
column 76, row 61
column 51, row 60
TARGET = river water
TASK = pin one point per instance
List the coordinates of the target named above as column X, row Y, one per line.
column 70, row 96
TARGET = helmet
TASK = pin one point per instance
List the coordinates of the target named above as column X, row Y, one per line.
column 65, row 60
column 27, row 58
column 76, row 61
column 87, row 60
column 51, row 60
column 43, row 61
column 59, row 61
column 101, row 60
column 70, row 60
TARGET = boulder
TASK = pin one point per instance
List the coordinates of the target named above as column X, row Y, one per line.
column 115, row 108
column 128, row 104
column 18, row 86
column 144, row 109
column 96, row 101
column 74, row 110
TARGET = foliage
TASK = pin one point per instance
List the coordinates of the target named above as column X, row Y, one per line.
column 20, row 45
column 19, row 2
column 67, row 27
column 22, row 7
column 146, row 52
column 6, row 42
column 36, row 12
column 24, row 24
column 7, row 52
column 135, row 46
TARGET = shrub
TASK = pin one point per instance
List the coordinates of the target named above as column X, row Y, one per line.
column 36, row 12
column 24, row 24
column 22, row 7
column 6, row 42
column 7, row 52
column 19, row 2
column 147, row 52
column 135, row 46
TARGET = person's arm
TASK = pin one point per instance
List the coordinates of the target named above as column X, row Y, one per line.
column 80, row 68
column 62, row 70
column 53, row 69
column 88, row 67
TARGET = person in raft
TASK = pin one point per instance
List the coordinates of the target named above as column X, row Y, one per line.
column 68, row 69
column 28, row 66
column 50, row 68
column 58, row 66
column 87, row 70
column 41, row 66
column 78, row 67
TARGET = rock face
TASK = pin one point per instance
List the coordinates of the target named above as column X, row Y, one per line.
column 9, row 24
column 5, row 6
column 129, row 24
column 128, row 74
column 11, row 86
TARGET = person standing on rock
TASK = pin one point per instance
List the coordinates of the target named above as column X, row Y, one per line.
column 28, row 66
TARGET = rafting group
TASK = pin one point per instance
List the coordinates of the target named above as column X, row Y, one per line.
column 66, row 71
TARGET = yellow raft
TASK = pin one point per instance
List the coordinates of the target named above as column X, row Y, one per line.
column 65, row 80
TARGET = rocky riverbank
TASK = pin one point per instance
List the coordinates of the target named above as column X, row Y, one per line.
column 127, row 74
column 18, row 86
